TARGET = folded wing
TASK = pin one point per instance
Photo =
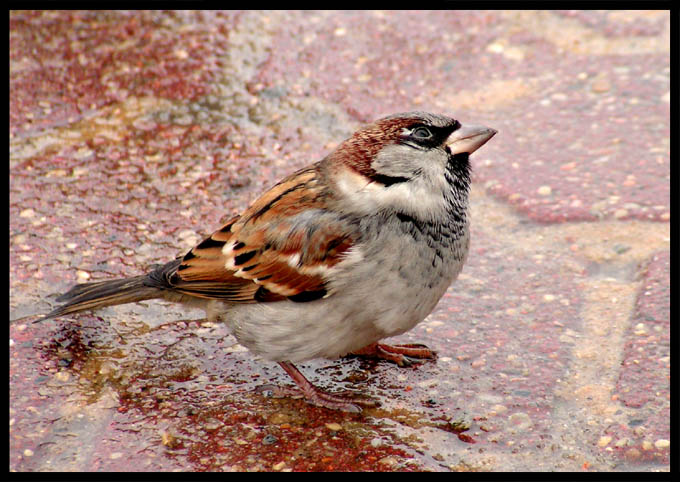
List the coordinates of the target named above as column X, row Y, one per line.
column 284, row 246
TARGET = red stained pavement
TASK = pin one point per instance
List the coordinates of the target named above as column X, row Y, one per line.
column 133, row 134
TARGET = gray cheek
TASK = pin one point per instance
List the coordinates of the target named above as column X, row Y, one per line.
column 401, row 160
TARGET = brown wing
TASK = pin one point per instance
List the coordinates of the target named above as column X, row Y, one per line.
column 283, row 246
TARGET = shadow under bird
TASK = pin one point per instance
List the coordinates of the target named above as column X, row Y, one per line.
column 355, row 248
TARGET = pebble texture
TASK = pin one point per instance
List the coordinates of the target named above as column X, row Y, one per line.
column 133, row 134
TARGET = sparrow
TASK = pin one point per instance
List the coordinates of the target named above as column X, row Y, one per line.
column 355, row 248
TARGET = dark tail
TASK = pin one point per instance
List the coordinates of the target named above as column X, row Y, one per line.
column 91, row 296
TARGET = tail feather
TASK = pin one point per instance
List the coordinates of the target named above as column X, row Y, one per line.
column 90, row 296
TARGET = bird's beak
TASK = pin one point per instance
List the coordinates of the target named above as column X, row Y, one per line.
column 469, row 138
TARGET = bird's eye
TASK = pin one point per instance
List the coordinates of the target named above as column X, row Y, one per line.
column 421, row 133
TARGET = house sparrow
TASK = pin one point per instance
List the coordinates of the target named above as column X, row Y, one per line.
column 355, row 248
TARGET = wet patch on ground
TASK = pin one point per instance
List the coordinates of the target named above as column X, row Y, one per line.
column 133, row 135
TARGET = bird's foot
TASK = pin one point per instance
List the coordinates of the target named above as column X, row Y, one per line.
column 344, row 401
column 402, row 355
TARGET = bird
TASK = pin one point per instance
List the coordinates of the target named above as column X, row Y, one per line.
column 335, row 257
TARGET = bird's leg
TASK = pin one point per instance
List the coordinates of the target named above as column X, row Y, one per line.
column 316, row 396
column 402, row 355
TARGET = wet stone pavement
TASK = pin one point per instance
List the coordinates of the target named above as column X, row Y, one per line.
column 133, row 134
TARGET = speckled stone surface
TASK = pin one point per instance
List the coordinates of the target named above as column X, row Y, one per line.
column 133, row 134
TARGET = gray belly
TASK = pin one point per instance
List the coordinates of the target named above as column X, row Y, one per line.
column 383, row 289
